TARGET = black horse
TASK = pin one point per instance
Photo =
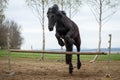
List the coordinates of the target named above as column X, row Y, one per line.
column 67, row 33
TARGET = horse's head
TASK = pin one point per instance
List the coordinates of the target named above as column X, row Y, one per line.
column 52, row 17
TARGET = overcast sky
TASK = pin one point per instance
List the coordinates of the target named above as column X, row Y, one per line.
column 32, row 31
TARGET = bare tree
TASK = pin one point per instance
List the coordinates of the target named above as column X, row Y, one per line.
column 72, row 6
column 3, row 38
column 15, row 34
column 38, row 8
column 3, row 4
column 102, row 11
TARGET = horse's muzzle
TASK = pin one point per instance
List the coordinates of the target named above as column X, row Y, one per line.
column 50, row 29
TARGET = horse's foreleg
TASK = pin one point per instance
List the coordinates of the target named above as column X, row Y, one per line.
column 60, row 41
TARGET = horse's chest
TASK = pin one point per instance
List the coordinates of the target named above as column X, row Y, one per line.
column 62, row 30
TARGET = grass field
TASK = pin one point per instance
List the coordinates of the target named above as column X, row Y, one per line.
column 4, row 53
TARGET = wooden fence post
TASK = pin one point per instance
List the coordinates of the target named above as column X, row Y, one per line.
column 108, row 61
column 9, row 72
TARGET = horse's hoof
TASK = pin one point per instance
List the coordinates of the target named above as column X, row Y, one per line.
column 67, row 62
column 78, row 65
column 61, row 43
column 70, row 70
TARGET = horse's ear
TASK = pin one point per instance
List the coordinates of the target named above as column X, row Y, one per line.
column 49, row 10
column 63, row 12
column 59, row 14
column 55, row 8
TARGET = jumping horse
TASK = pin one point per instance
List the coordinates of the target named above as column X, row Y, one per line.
column 67, row 33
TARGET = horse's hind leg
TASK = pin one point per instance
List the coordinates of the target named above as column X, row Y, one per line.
column 78, row 62
column 70, row 64
column 78, row 43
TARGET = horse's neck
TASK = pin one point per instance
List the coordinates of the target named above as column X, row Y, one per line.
column 59, row 23
column 64, row 21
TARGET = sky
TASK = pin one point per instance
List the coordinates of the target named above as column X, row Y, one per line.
column 31, row 29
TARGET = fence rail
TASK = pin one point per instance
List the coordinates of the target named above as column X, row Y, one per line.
column 55, row 52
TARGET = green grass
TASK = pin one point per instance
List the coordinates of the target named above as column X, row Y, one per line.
column 4, row 53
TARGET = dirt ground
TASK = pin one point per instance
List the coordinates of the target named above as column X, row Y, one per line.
column 26, row 69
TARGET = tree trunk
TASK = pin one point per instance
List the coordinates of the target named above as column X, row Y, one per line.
column 70, row 10
column 100, row 26
column 100, row 29
column 62, row 56
column 43, row 45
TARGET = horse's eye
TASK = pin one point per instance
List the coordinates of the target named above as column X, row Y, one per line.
column 53, row 16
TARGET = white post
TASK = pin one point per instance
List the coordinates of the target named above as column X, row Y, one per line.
column 8, row 45
column 9, row 72
column 108, row 62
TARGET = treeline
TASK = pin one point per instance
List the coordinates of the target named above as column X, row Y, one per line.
column 15, row 34
column 10, row 27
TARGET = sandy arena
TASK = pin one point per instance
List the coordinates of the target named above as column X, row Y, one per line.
column 28, row 69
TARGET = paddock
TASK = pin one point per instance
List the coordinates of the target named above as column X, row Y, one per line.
column 33, row 69
column 57, row 68
column 85, row 67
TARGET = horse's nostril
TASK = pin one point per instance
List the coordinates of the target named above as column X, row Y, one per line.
column 50, row 29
